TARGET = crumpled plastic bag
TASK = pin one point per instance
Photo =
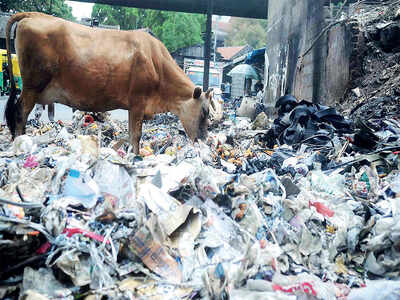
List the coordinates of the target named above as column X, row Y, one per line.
column 247, row 108
column 113, row 179
column 79, row 188
column 43, row 282
column 23, row 144
column 76, row 266
column 241, row 294
column 377, row 290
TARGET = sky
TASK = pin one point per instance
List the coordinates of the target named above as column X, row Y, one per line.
column 81, row 9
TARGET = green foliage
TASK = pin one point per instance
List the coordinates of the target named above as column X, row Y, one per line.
column 247, row 31
column 175, row 30
column 128, row 18
column 52, row 7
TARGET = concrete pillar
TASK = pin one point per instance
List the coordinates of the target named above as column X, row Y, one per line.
column 207, row 46
column 292, row 27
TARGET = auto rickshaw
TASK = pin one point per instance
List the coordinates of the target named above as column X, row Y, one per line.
column 4, row 76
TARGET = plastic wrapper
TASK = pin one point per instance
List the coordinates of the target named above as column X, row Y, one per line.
column 173, row 177
column 23, row 144
column 48, row 137
column 154, row 291
column 156, row 200
column 80, row 189
column 223, row 233
column 377, row 290
column 332, row 184
column 75, row 266
column 113, row 179
column 43, row 282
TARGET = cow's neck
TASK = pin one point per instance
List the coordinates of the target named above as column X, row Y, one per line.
column 176, row 81
column 173, row 98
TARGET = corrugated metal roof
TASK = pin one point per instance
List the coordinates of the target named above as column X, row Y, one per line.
column 228, row 52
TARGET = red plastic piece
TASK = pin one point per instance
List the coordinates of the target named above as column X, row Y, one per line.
column 322, row 209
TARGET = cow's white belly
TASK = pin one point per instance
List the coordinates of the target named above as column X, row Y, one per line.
column 54, row 93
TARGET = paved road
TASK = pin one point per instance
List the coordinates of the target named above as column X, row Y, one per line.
column 62, row 112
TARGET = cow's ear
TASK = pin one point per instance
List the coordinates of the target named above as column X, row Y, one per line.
column 208, row 93
column 197, row 92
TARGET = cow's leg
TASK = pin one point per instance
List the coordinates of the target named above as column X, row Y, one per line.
column 26, row 102
column 50, row 112
column 135, row 128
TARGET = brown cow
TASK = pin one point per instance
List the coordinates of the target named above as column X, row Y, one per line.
column 97, row 70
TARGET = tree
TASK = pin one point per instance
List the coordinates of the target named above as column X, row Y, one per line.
column 247, row 31
column 56, row 8
column 126, row 17
column 175, row 30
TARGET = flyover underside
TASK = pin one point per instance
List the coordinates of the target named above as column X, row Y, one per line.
column 236, row 8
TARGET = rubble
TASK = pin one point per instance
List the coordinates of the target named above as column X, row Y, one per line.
column 244, row 214
column 374, row 90
column 302, row 206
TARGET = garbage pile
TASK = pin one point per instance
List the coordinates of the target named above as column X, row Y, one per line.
column 300, row 122
column 374, row 91
column 303, row 207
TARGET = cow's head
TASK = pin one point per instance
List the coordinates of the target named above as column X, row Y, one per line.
column 194, row 114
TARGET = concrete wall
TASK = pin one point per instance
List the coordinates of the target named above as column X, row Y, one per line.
column 324, row 73
column 337, row 64
column 292, row 25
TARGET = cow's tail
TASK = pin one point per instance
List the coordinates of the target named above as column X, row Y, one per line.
column 11, row 112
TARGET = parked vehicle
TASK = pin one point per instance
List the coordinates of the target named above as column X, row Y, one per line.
column 4, row 76
column 194, row 68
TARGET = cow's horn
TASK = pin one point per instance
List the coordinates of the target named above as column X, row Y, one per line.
column 197, row 92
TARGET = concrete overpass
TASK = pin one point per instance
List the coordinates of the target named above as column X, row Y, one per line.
column 236, row 8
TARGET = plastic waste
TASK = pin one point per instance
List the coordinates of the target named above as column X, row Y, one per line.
column 377, row 290
column 31, row 162
column 113, row 179
column 331, row 184
column 247, row 108
column 154, row 255
column 43, row 282
column 261, row 121
column 23, row 144
column 76, row 266
column 239, row 215
column 81, row 188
